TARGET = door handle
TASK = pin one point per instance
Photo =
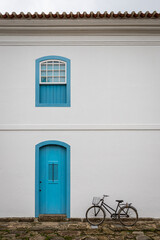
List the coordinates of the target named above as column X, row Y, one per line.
column 40, row 190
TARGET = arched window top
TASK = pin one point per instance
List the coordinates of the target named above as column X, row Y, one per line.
column 52, row 57
column 52, row 81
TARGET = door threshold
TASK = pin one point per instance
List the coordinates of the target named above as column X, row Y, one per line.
column 52, row 218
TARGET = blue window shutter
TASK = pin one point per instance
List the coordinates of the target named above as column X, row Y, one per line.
column 52, row 93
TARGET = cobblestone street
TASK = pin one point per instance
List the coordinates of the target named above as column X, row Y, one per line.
column 33, row 229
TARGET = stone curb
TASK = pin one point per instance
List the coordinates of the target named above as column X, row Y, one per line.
column 32, row 219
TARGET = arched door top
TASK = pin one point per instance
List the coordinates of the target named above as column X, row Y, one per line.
column 52, row 142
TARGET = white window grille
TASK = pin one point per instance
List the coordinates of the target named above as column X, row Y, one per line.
column 53, row 72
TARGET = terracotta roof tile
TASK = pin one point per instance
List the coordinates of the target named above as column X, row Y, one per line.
column 79, row 15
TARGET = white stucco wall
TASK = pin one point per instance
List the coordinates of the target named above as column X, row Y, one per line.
column 110, row 86
column 123, row 164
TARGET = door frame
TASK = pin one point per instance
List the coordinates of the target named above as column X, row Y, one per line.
column 37, row 148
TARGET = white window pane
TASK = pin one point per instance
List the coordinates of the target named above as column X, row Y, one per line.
column 56, row 67
column 56, row 73
column 62, row 67
column 43, row 73
column 62, row 79
column 49, row 73
column 62, row 73
column 49, row 79
column 43, row 67
column 56, row 79
column 49, row 66
column 43, row 79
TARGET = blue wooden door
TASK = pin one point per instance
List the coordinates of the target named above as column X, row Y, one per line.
column 52, row 179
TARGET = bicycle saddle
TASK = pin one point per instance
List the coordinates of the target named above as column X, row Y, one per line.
column 120, row 201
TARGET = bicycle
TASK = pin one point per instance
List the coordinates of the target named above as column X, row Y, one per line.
column 125, row 213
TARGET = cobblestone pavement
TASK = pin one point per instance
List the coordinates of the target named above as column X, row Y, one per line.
column 78, row 230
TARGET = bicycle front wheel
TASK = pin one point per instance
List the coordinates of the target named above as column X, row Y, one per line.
column 128, row 216
column 95, row 215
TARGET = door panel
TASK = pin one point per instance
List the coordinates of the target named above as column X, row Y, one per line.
column 52, row 179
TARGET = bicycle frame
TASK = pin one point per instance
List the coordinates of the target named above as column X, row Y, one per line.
column 114, row 211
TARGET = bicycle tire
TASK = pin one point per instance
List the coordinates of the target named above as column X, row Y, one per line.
column 128, row 216
column 95, row 215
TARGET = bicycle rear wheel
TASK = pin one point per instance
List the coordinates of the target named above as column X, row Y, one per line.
column 95, row 215
column 128, row 216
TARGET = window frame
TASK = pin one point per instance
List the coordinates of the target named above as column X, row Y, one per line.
column 38, row 83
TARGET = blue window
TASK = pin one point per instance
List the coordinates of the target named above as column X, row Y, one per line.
column 52, row 82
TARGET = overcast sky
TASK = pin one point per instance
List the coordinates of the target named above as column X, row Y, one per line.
column 78, row 5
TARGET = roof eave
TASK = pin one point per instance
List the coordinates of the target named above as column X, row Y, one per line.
column 90, row 26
